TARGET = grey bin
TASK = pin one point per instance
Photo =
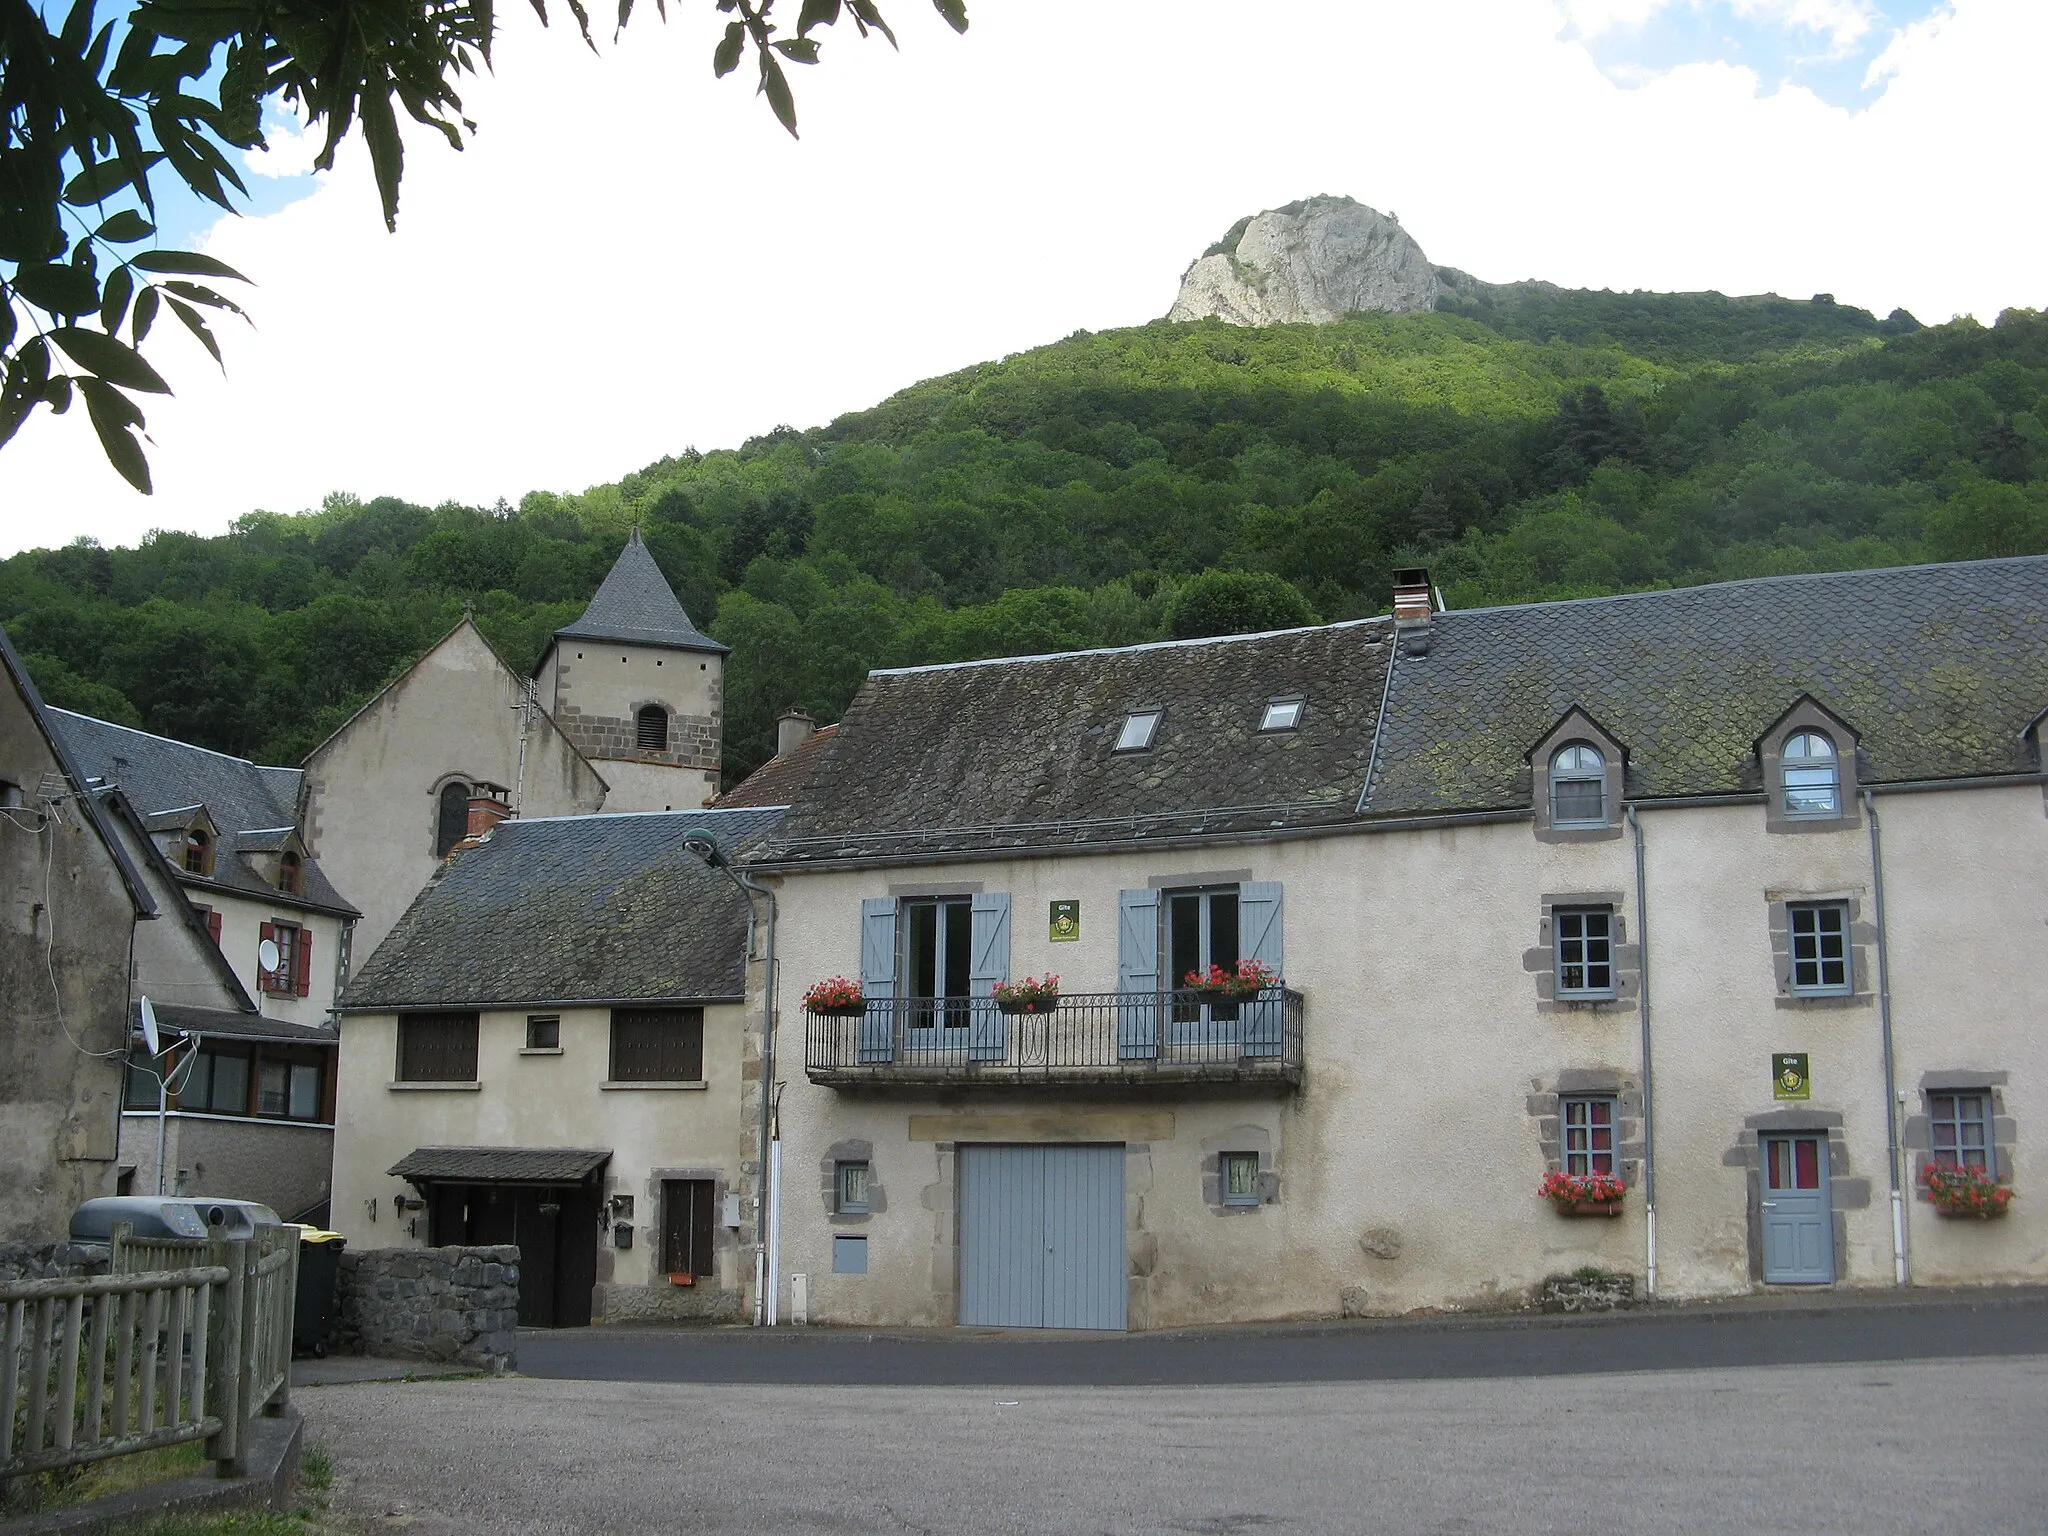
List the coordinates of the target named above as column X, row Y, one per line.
column 169, row 1216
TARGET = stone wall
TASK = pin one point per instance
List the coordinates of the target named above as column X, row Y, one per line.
column 459, row 1304
column 49, row 1261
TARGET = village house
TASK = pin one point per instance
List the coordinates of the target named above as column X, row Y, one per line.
column 243, row 973
column 71, row 905
column 555, row 1047
column 623, row 713
column 1731, row 893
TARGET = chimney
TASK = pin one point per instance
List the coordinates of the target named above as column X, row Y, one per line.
column 1412, row 608
column 487, row 808
column 792, row 731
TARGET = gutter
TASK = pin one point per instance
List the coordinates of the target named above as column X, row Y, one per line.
column 1649, row 1094
column 1893, row 1099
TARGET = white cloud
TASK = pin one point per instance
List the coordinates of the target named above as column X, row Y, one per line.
column 1596, row 18
column 1844, row 23
column 288, row 150
column 631, row 257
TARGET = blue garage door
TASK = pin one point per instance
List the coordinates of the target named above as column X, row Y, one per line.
column 1042, row 1236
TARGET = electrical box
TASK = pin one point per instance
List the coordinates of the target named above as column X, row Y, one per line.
column 732, row 1210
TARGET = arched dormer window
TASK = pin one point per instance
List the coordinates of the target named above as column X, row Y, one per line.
column 452, row 824
column 652, row 723
column 1578, row 786
column 291, row 876
column 198, row 851
column 1812, row 775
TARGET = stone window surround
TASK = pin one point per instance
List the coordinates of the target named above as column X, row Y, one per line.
column 1862, row 945
column 723, row 1238
column 852, row 1150
column 1917, row 1137
column 1541, row 961
column 1846, row 1192
column 1808, row 714
column 1253, row 1139
column 441, row 781
column 1577, row 726
column 1625, row 1088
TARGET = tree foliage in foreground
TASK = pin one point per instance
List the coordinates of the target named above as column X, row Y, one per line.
column 97, row 115
column 1076, row 495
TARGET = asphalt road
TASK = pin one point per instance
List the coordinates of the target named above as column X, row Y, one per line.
column 1441, row 1350
column 1917, row 1446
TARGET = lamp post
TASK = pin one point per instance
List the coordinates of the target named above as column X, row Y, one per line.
column 702, row 842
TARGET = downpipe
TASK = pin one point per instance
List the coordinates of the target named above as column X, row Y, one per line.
column 1901, row 1267
column 765, row 1202
column 1649, row 1096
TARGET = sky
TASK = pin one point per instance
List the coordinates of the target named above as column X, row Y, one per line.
column 632, row 258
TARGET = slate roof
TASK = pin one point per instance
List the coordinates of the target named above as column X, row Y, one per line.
column 255, row 807
column 1937, row 668
column 572, row 909
column 180, row 1018
column 1018, row 754
column 500, row 1165
column 635, row 604
column 778, row 781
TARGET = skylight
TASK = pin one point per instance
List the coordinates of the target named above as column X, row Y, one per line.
column 1281, row 715
column 1140, row 727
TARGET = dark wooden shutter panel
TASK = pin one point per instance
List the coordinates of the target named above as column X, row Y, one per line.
column 264, row 980
column 305, row 963
column 687, row 1230
column 657, row 1045
column 437, row 1048
column 700, row 1229
column 213, row 928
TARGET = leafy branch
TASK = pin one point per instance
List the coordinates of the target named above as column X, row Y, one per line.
column 92, row 114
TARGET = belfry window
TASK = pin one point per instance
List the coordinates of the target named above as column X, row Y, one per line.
column 651, row 724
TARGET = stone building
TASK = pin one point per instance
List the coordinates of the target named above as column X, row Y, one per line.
column 251, row 1112
column 639, row 690
column 1732, row 894
column 71, row 904
column 554, row 1048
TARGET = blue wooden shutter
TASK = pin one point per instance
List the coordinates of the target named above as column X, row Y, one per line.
column 990, row 963
column 1137, row 972
column 878, row 978
column 1258, row 929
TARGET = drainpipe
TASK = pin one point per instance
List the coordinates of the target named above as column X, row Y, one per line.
column 1901, row 1274
column 1649, row 1096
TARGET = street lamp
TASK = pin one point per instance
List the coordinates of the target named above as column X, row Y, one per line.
column 703, row 843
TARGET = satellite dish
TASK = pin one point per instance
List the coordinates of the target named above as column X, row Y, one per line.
column 266, row 955
column 149, row 1034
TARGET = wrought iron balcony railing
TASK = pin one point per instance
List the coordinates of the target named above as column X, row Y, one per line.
column 1121, row 1038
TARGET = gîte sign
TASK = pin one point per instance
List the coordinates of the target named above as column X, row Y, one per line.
column 1791, row 1076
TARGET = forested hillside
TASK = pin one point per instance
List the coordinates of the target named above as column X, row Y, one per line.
column 1529, row 443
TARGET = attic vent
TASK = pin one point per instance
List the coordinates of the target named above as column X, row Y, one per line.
column 1281, row 715
column 1140, row 728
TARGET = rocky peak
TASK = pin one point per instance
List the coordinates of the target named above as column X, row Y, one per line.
column 1315, row 261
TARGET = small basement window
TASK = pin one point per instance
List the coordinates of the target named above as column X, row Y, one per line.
column 853, row 1189
column 1141, row 728
column 1281, row 715
column 1240, row 1178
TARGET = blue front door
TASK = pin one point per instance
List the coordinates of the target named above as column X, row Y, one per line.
column 1798, row 1212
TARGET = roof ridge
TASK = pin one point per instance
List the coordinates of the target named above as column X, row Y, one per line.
column 172, row 741
column 723, row 810
column 1121, row 650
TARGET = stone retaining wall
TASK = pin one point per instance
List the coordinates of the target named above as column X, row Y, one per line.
column 49, row 1261
column 459, row 1304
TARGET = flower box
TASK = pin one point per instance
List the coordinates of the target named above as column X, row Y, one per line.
column 836, row 997
column 851, row 1010
column 1965, row 1192
column 1031, row 995
column 1216, row 985
column 1584, row 1194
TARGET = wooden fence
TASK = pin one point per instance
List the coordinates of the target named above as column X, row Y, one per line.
column 182, row 1341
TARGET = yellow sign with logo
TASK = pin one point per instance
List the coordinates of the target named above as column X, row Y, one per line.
column 1791, row 1076
column 1065, row 927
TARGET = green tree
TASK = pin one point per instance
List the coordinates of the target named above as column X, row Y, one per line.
column 96, row 114
column 1237, row 603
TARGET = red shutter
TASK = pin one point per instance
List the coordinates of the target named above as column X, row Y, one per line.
column 305, row 976
column 265, row 934
column 213, row 928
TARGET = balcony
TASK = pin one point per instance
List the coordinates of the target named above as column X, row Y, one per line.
column 1129, row 1041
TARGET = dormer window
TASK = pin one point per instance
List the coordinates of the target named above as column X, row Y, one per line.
column 1578, row 786
column 291, row 877
column 198, row 858
column 1281, row 715
column 651, row 726
column 1141, row 729
column 1812, row 775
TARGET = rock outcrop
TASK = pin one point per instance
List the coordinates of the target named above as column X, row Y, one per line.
column 1312, row 261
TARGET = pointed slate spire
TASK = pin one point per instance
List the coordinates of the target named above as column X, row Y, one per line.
column 636, row 606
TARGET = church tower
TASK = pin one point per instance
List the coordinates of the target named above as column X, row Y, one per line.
column 640, row 690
